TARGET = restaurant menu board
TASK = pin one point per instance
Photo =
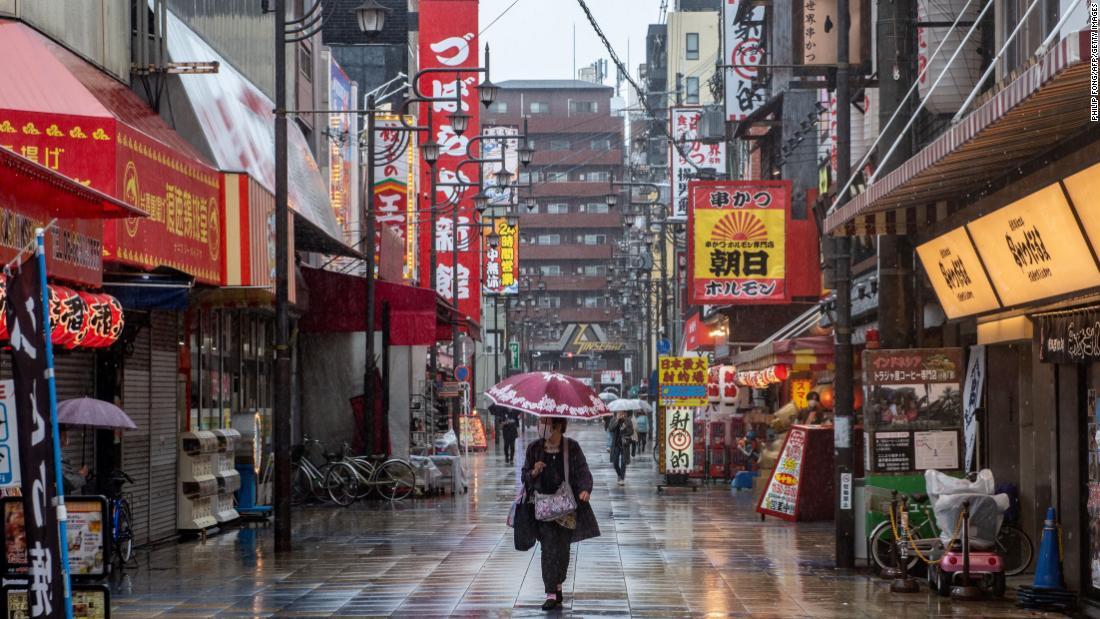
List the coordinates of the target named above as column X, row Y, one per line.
column 89, row 602
column 913, row 389
column 87, row 526
column 780, row 498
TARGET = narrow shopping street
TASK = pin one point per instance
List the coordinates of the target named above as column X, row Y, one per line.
column 675, row 554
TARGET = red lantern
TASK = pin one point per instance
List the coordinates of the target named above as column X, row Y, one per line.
column 827, row 396
column 857, row 399
column 105, row 321
column 781, row 372
column 67, row 316
column 712, row 385
column 730, row 393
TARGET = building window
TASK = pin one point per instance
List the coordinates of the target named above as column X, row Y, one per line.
column 549, row 239
column 593, row 239
column 549, row 301
column 557, row 177
column 593, row 270
column 601, row 144
column 583, row 107
column 557, row 208
column 305, row 60
column 595, row 207
column 692, row 97
column 692, row 46
column 540, row 107
column 559, row 144
column 591, row 301
column 599, row 176
column 550, row 270
column 499, row 107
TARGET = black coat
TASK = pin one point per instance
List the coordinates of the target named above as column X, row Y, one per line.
column 580, row 480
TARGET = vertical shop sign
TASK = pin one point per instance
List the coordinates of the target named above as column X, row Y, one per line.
column 341, row 139
column 780, row 497
column 683, row 381
column 395, row 163
column 800, row 391
column 9, row 437
column 737, row 231
column 972, row 397
column 504, row 154
column 448, row 40
column 502, row 261
column 36, row 441
column 679, row 440
column 743, row 51
column 689, row 153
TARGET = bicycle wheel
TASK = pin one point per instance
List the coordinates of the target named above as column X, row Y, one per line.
column 301, row 488
column 1015, row 549
column 124, row 534
column 395, row 479
column 365, row 472
column 881, row 545
column 341, row 483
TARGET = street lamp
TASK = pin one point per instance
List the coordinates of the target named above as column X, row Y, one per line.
column 526, row 155
column 481, row 202
column 503, row 178
column 371, row 17
column 430, row 151
column 460, row 121
column 494, row 239
column 487, row 91
column 611, row 200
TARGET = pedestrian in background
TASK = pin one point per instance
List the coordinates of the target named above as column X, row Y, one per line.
column 621, row 432
column 634, row 437
column 641, row 426
column 544, row 472
column 509, row 431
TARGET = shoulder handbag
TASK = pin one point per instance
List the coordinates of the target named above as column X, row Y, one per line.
column 561, row 503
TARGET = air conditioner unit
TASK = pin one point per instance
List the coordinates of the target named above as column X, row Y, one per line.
column 712, row 124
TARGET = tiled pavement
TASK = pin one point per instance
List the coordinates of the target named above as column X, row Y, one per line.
column 677, row 554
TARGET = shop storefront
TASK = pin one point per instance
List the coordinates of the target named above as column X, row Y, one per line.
column 1012, row 261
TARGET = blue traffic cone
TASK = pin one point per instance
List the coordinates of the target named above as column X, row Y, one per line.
column 1048, row 570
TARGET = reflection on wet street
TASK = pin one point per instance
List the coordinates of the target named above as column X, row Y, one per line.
column 676, row 554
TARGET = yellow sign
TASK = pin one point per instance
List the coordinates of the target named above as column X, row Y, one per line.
column 957, row 275
column 683, row 381
column 738, row 232
column 502, row 261
column 1034, row 249
column 800, row 390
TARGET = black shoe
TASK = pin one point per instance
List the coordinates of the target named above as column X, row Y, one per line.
column 552, row 603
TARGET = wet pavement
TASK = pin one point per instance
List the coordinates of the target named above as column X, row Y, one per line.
column 675, row 554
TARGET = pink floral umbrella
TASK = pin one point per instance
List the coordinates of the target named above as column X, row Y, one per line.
column 548, row 394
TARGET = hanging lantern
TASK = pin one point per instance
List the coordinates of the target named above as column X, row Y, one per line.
column 105, row 321
column 857, row 399
column 713, row 390
column 744, row 379
column 827, row 396
column 781, row 371
column 67, row 316
column 728, row 384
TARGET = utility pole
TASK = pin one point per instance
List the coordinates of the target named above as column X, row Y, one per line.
column 368, row 252
column 896, row 284
column 282, row 409
column 844, row 417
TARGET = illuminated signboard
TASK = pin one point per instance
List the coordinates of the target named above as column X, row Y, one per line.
column 1083, row 188
column 502, row 261
column 1034, row 249
column 957, row 275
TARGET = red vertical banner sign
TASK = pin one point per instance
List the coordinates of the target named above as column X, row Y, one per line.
column 448, row 40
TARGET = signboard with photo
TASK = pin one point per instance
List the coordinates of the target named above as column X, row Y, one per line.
column 87, row 527
column 737, row 235
column 679, row 440
column 89, row 602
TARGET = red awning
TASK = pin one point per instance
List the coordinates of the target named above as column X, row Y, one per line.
column 62, row 196
column 337, row 304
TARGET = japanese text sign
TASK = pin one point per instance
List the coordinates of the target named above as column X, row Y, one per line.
column 395, row 168
column 502, row 261
column 679, row 440
column 689, row 153
column 9, row 437
column 737, row 235
column 25, row 313
column 683, row 381
column 912, row 389
column 448, row 40
column 183, row 200
column 743, row 51
column 502, row 153
column 957, row 275
column 780, row 497
column 1034, row 248
column 815, row 31
column 342, row 129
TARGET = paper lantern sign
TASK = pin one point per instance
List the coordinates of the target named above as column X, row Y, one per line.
column 84, row 319
column 714, row 391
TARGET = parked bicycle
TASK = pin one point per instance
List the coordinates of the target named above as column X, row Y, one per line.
column 355, row 477
column 308, row 480
column 121, row 518
column 1012, row 544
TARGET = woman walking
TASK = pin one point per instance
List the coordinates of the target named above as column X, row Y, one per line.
column 544, row 470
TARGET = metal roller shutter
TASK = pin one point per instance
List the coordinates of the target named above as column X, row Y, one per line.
column 149, row 453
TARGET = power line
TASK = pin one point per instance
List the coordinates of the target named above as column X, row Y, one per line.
column 497, row 18
column 622, row 69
